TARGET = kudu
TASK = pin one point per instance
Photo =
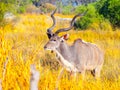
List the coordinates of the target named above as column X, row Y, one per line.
column 78, row 57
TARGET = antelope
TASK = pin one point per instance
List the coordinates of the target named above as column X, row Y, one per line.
column 75, row 58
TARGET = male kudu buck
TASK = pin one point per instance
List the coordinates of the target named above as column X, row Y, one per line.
column 78, row 57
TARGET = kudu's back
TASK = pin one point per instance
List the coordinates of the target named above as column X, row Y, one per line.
column 87, row 55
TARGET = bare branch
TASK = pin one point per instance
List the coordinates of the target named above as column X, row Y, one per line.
column 4, row 68
column 34, row 79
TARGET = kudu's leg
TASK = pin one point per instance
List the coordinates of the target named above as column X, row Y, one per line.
column 73, row 75
column 97, row 72
column 82, row 71
column 83, row 74
column 58, row 79
column 93, row 72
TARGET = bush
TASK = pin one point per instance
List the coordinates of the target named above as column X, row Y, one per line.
column 111, row 10
column 31, row 8
column 83, row 23
column 22, row 9
column 14, row 6
column 47, row 8
column 67, row 9
column 2, row 10
column 90, row 17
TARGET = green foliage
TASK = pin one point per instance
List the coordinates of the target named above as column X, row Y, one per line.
column 2, row 10
column 67, row 9
column 90, row 17
column 14, row 6
column 21, row 5
column 83, row 23
column 111, row 10
column 99, row 4
column 21, row 9
column 80, row 9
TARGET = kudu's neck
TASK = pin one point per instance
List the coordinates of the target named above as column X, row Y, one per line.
column 64, row 50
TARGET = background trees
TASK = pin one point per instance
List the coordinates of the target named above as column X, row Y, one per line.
column 101, row 11
column 98, row 10
column 111, row 10
column 13, row 6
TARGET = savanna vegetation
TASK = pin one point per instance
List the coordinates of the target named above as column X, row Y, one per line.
column 22, row 42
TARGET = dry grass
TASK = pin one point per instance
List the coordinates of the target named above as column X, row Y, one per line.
column 22, row 45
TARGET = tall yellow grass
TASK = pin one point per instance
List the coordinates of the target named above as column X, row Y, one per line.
column 21, row 44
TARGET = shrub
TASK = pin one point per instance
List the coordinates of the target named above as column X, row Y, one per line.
column 31, row 8
column 2, row 11
column 67, row 9
column 111, row 10
column 14, row 6
column 47, row 7
column 83, row 23
column 90, row 17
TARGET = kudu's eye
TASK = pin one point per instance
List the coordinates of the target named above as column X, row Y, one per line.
column 53, row 40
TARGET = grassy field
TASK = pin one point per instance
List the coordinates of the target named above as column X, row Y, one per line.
column 22, row 42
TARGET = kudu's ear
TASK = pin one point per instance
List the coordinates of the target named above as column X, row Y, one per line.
column 65, row 37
